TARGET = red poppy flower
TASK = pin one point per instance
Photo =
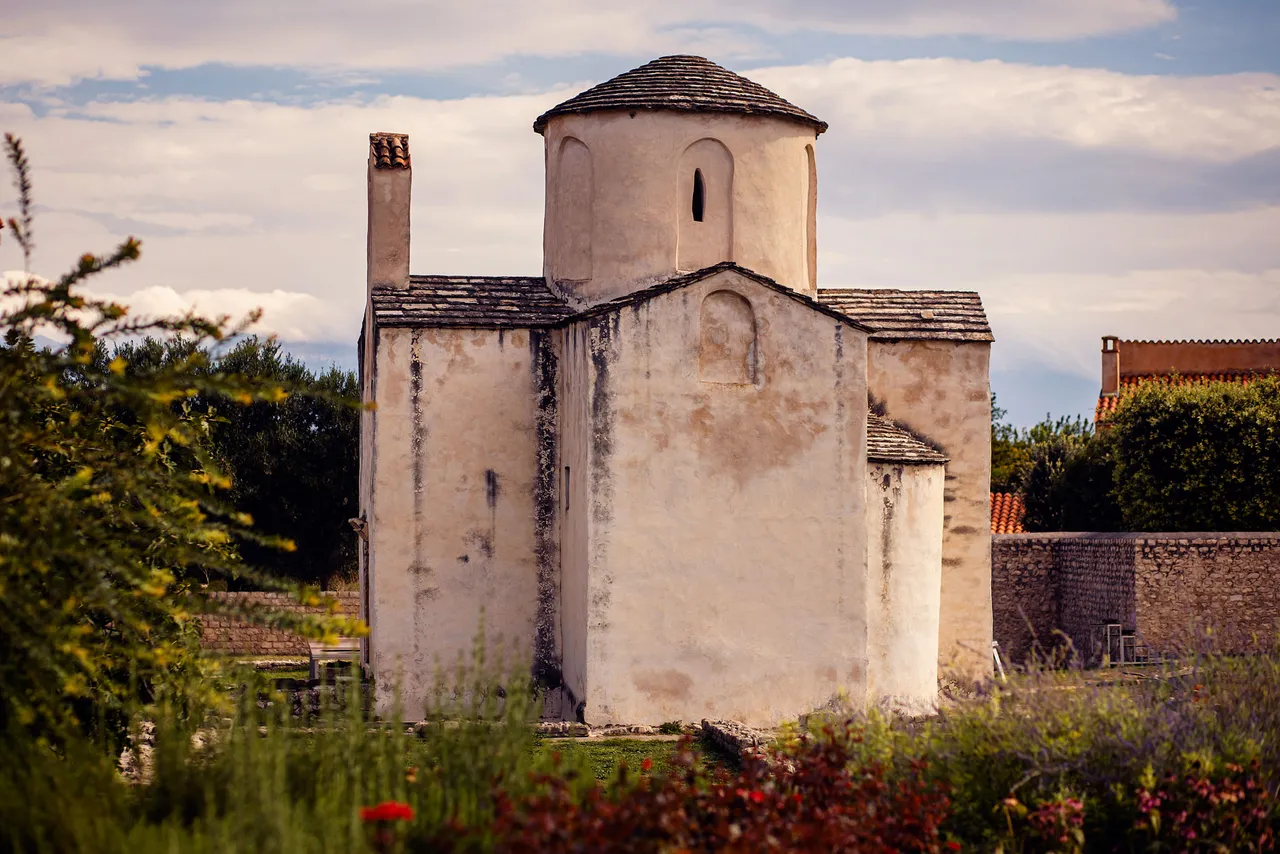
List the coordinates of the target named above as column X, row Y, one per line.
column 387, row 811
column 646, row 764
column 757, row 796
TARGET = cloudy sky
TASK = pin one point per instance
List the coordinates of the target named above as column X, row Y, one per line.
column 1089, row 166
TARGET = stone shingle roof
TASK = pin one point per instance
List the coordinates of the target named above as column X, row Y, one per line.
column 514, row 302
column 679, row 281
column 889, row 443
column 390, row 150
column 686, row 83
column 1109, row 403
column 1007, row 511
column 913, row 315
column 486, row 302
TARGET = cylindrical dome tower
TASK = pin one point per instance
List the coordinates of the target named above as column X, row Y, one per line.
column 672, row 167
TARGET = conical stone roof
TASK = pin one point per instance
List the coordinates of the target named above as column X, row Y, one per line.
column 687, row 83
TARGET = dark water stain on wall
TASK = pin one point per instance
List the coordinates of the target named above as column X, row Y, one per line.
column 492, row 489
column 546, row 639
column 424, row 591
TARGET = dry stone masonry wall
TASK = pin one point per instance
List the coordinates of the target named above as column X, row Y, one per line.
column 226, row 634
column 1168, row 589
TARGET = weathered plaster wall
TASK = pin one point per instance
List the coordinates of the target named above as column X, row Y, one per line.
column 725, row 526
column 904, row 583
column 368, row 430
column 640, row 203
column 455, row 524
column 575, row 439
column 1168, row 588
column 941, row 389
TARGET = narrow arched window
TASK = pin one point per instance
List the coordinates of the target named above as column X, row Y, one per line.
column 699, row 195
column 704, row 211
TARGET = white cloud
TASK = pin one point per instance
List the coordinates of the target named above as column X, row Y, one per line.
column 57, row 41
column 952, row 103
column 245, row 204
column 289, row 315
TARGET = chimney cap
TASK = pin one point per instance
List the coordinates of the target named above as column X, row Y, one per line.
column 389, row 150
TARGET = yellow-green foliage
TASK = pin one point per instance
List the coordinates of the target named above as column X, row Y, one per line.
column 111, row 512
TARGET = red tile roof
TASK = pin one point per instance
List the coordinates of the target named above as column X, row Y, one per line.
column 1108, row 403
column 1007, row 511
column 390, row 150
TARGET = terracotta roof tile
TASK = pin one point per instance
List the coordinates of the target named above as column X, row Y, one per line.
column 1108, row 403
column 889, row 443
column 1007, row 511
column 686, row 83
column 486, row 302
column 911, row 315
column 1206, row 341
column 390, row 150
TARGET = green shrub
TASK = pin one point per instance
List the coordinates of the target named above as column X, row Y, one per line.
column 267, row 781
column 1015, row 759
column 1199, row 457
column 1069, row 485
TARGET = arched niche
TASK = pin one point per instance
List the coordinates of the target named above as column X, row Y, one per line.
column 573, row 196
column 727, row 339
column 811, row 218
column 705, row 205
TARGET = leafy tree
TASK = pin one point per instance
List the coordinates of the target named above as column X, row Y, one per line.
column 111, row 501
column 1013, row 449
column 1202, row 457
column 1068, row 485
column 293, row 463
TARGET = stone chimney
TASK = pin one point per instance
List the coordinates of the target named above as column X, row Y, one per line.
column 1110, row 364
column 390, row 175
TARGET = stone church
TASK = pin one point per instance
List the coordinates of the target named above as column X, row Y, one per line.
column 680, row 477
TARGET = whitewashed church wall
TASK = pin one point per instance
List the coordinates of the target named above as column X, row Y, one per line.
column 574, row 503
column 904, row 575
column 727, row 556
column 454, row 523
column 942, row 389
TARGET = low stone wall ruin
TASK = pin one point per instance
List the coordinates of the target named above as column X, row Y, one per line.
column 226, row 634
column 1166, row 588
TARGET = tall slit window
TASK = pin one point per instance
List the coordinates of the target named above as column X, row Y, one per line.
column 699, row 195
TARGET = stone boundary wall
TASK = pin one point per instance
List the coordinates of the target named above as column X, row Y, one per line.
column 226, row 634
column 1167, row 588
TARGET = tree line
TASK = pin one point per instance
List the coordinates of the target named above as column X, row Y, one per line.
column 1172, row 457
